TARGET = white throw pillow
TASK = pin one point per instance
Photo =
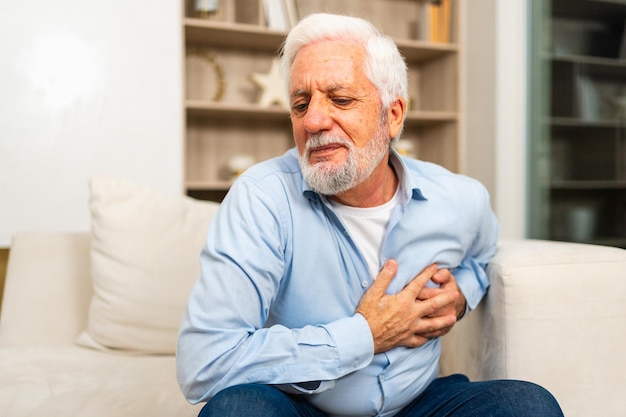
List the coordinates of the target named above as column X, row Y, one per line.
column 144, row 258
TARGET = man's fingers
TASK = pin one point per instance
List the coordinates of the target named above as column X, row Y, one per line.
column 417, row 284
column 433, row 326
column 439, row 301
column 404, row 319
column 442, row 332
column 442, row 276
column 428, row 292
column 385, row 276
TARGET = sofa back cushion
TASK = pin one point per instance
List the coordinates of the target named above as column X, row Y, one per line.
column 144, row 258
column 47, row 292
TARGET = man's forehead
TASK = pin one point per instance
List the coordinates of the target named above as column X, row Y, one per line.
column 332, row 52
column 325, row 71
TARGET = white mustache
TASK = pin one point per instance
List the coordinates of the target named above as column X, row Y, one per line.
column 323, row 139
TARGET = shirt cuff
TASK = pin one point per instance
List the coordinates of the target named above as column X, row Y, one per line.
column 470, row 287
column 354, row 342
column 300, row 389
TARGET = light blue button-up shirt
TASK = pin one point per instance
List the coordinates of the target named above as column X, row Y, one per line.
column 281, row 278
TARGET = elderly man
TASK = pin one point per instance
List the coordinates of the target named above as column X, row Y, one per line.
column 330, row 272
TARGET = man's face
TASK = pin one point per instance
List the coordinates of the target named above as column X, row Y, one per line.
column 335, row 113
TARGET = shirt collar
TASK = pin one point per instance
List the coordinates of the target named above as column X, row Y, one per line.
column 408, row 184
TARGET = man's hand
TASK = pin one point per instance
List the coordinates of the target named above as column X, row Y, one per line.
column 414, row 315
column 446, row 282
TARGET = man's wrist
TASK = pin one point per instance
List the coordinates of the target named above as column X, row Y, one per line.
column 460, row 312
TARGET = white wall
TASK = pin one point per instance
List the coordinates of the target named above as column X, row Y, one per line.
column 511, row 116
column 479, row 106
column 87, row 87
column 495, row 106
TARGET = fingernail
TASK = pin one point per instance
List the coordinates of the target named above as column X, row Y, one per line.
column 389, row 264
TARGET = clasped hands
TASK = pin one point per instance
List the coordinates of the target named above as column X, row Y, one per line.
column 414, row 315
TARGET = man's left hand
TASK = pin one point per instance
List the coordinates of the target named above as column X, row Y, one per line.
column 446, row 282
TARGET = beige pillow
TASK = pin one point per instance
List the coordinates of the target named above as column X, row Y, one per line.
column 144, row 259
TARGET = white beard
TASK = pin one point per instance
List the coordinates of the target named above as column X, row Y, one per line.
column 330, row 178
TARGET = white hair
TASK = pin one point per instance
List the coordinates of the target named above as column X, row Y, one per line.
column 384, row 65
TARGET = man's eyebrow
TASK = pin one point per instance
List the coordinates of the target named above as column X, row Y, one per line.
column 306, row 93
column 300, row 93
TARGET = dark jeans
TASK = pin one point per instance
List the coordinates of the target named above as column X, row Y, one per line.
column 454, row 395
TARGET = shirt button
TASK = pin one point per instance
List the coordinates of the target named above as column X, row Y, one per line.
column 364, row 284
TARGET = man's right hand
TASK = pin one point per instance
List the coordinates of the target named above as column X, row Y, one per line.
column 402, row 319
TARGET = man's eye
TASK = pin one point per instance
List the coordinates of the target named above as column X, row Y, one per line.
column 342, row 101
column 299, row 108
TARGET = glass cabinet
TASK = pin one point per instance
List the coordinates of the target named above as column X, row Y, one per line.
column 577, row 154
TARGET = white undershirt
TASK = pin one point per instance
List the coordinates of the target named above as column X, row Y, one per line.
column 367, row 226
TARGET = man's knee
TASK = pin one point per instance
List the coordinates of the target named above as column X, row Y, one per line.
column 494, row 398
column 242, row 400
column 526, row 398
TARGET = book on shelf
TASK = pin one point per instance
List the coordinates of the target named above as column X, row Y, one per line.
column 275, row 15
column 280, row 14
column 587, row 98
column 435, row 21
column 292, row 12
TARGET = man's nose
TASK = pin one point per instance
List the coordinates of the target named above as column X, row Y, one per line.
column 317, row 117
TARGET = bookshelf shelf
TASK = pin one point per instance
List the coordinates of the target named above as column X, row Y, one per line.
column 243, row 111
column 231, row 35
column 618, row 64
column 589, row 185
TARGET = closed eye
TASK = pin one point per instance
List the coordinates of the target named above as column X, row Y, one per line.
column 299, row 109
column 343, row 101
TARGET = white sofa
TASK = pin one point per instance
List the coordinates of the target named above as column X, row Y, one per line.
column 89, row 320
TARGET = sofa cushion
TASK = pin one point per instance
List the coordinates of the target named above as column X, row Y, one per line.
column 72, row 381
column 144, row 259
column 47, row 292
column 551, row 317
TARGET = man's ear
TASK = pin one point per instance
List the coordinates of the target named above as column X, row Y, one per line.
column 395, row 114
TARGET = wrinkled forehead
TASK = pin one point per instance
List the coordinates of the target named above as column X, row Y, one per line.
column 337, row 60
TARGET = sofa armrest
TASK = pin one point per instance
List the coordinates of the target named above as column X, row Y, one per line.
column 47, row 289
column 555, row 314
